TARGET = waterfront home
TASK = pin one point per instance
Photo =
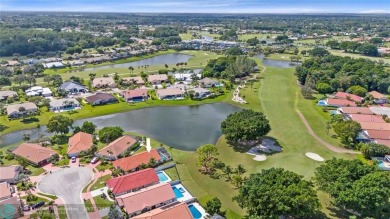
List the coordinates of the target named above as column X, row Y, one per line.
column 201, row 92
column 132, row 163
column 73, row 87
column 79, row 142
column 378, row 97
column 136, row 95
column 170, row 94
column 104, row 82
column 207, row 83
column 174, row 210
column 21, row 109
column 65, row 104
column 157, row 79
column 339, row 102
column 132, row 182
column 347, row 96
column 34, row 153
column 54, row 65
column 10, row 174
column 146, row 199
column 117, row 148
column 134, row 80
column 355, row 110
column 101, row 98
column 4, row 95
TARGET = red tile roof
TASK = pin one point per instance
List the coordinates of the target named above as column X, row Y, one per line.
column 118, row 146
column 33, row 152
column 377, row 95
column 379, row 134
column 5, row 190
column 357, row 110
column 135, row 93
column 375, row 126
column 80, row 141
column 147, row 197
column 175, row 210
column 343, row 95
column 384, row 142
column 367, row 118
column 132, row 162
column 132, row 181
column 339, row 102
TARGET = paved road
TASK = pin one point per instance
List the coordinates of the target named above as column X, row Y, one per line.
column 68, row 184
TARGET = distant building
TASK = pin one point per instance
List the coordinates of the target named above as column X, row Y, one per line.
column 134, row 80
column 347, row 96
column 132, row 163
column 339, row 102
column 39, row 91
column 73, row 87
column 54, row 65
column 4, row 95
column 207, row 83
column 136, row 95
column 101, row 98
column 157, row 79
column 14, row 110
column 105, row 82
column 378, row 97
column 201, row 92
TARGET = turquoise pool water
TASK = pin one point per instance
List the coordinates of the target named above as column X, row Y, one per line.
column 321, row 103
column 195, row 212
column 162, row 177
column 177, row 192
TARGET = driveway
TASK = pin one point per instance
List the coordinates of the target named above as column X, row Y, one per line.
column 68, row 184
column 381, row 110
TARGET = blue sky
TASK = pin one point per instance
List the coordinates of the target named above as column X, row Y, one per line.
column 199, row 6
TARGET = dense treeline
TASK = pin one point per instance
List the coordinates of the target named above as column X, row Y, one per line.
column 229, row 67
column 341, row 73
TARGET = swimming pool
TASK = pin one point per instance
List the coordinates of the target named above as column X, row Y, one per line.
column 162, row 176
column 177, row 192
column 321, row 103
column 195, row 212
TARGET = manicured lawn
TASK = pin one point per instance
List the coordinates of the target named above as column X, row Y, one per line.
column 171, row 172
column 101, row 182
column 88, row 205
column 49, row 196
column 102, row 167
column 35, row 171
column 38, row 199
column 102, row 203
column 62, row 212
column 185, row 36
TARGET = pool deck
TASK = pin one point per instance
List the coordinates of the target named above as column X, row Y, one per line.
column 166, row 175
column 200, row 209
column 186, row 195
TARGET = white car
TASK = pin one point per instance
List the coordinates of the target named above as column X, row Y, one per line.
column 94, row 160
column 73, row 159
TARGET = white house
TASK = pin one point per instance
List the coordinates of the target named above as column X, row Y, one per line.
column 201, row 92
column 54, row 65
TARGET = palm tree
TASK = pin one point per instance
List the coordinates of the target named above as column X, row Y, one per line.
column 131, row 68
column 227, row 170
column 328, row 127
column 240, row 169
column 237, row 180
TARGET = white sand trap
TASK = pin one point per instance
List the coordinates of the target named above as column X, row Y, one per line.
column 260, row 157
column 206, row 54
column 314, row 156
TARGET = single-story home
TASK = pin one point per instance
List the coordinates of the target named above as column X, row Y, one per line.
column 79, row 142
column 132, row 182
column 134, row 80
column 4, row 95
column 5, row 191
column 355, row 110
column 375, row 126
column 366, row 118
column 54, row 65
column 383, row 142
column 174, row 210
column 136, row 95
column 339, row 102
column 378, row 134
column 101, row 98
column 34, row 153
column 73, row 87
column 64, row 104
column 157, row 79
column 170, row 93
column 132, row 163
column 207, row 82
column 378, row 97
column 347, row 96
column 146, row 199
column 10, row 174
column 201, row 92
column 16, row 204
column 104, row 82
column 14, row 110
column 116, row 148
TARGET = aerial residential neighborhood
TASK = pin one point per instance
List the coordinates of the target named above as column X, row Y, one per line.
column 194, row 109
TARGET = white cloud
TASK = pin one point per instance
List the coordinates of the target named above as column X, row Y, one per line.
column 379, row 11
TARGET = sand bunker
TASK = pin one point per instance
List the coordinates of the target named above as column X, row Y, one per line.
column 261, row 157
column 314, row 156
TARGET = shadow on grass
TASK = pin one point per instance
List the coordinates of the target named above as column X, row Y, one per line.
column 3, row 127
column 29, row 120
column 243, row 147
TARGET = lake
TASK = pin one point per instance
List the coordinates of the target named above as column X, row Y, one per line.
column 274, row 63
column 182, row 127
column 169, row 59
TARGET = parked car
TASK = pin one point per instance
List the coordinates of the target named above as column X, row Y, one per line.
column 73, row 159
column 38, row 204
column 26, row 208
column 94, row 160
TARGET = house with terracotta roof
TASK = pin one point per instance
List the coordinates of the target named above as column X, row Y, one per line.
column 134, row 80
column 118, row 147
column 378, row 97
column 174, row 210
column 10, row 174
column 383, row 142
column 5, row 191
column 157, row 79
column 136, row 95
column 34, row 153
column 13, row 110
column 378, row 134
column 366, row 118
column 132, row 182
column 170, row 94
column 347, row 96
column 79, row 142
column 104, row 82
column 375, row 126
column 16, row 211
column 207, row 83
column 355, row 110
column 146, row 199
column 100, row 99
column 339, row 102
column 132, row 163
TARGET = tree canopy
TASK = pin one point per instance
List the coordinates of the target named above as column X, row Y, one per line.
column 59, row 124
column 347, row 131
column 108, row 134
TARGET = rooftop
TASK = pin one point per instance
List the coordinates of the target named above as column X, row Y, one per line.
column 99, row 96
column 168, row 92
column 375, row 126
column 357, row 110
column 118, row 146
column 5, row 190
column 339, row 102
column 367, row 118
column 174, row 210
column 33, row 152
column 132, row 162
column 352, row 97
column 80, row 141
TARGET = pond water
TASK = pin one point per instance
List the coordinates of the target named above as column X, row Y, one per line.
column 275, row 63
column 183, row 127
column 168, row 59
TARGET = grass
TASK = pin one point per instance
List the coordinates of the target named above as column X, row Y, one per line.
column 100, row 183
column 35, row 171
column 102, row 203
column 259, row 36
column 88, row 205
column 38, row 199
column 62, row 212
column 171, row 172
column 49, row 196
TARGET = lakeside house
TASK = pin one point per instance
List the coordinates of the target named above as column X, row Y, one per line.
column 347, row 96
column 104, row 82
column 79, row 142
column 34, row 153
column 65, row 104
column 132, row 163
column 339, row 102
column 174, row 210
column 146, row 199
column 201, row 92
column 134, row 80
column 101, row 98
column 4, row 95
column 207, row 83
column 10, row 174
column 136, row 95
column 170, row 94
column 157, row 79
column 73, row 87
column 117, row 148
column 132, row 182
column 15, row 110
column 378, row 97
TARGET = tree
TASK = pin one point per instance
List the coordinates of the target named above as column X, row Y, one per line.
column 114, row 213
column 347, row 131
column 206, row 157
column 30, row 80
column 253, row 41
column 374, row 150
column 275, row 193
column 323, row 88
column 131, row 69
column 91, row 76
column 5, row 81
column 213, row 206
column 228, row 171
column 19, row 79
column 246, row 125
column 234, row 51
column 108, row 134
column 333, row 44
column 240, row 169
column 88, row 127
column 357, row 90
column 368, row 49
column 22, row 162
column 59, row 124
column 318, row 52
